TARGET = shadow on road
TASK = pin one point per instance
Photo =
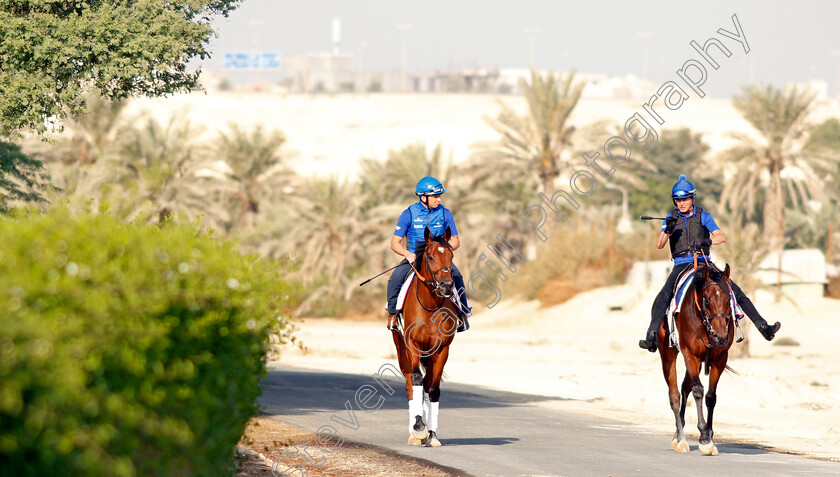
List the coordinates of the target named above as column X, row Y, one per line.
column 295, row 391
column 480, row 441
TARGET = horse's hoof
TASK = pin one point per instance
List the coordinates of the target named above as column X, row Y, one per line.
column 680, row 446
column 419, row 429
column 432, row 441
column 708, row 449
column 413, row 441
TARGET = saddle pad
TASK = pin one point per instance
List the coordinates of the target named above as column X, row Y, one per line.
column 682, row 286
column 404, row 290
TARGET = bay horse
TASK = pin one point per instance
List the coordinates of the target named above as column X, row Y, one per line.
column 706, row 328
column 430, row 319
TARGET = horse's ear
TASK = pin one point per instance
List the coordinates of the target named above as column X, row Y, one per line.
column 426, row 234
column 726, row 272
column 447, row 234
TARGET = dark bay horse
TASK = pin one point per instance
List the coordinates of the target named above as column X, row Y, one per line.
column 706, row 328
column 430, row 318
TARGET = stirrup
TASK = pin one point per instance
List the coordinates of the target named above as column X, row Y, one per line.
column 739, row 335
column 463, row 324
column 393, row 322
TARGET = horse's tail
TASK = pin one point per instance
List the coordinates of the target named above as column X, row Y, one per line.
column 424, row 364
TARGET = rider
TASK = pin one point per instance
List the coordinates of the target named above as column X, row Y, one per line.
column 688, row 228
column 414, row 220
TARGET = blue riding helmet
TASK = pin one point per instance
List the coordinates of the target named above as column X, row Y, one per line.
column 429, row 186
column 682, row 189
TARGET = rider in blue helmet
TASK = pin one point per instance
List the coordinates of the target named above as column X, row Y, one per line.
column 687, row 228
column 427, row 212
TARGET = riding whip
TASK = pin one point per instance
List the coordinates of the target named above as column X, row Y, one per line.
column 379, row 275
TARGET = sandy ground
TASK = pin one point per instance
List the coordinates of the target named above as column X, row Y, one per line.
column 784, row 397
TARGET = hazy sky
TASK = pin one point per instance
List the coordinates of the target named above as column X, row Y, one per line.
column 790, row 41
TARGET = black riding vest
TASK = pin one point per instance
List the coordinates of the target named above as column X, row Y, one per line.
column 687, row 229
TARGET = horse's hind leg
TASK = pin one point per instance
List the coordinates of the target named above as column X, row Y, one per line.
column 711, row 399
column 669, row 370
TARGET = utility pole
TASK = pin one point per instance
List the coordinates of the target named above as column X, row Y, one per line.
column 836, row 55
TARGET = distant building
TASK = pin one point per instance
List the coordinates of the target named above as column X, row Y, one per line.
column 320, row 73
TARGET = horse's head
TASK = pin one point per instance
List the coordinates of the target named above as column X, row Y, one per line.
column 436, row 262
column 715, row 307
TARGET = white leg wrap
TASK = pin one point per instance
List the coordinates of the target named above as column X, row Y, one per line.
column 433, row 416
column 415, row 406
column 426, row 406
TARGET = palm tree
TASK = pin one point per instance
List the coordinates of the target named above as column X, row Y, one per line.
column 536, row 142
column 324, row 229
column 256, row 170
column 160, row 165
column 781, row 163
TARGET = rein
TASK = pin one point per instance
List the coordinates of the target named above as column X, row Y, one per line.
column 704, row 317
column 433, row 284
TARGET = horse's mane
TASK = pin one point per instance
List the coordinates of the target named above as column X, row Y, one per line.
column 715, row 276
column 421, row 247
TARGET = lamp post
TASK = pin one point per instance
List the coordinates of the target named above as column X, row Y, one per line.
column 624, row 225
column 532, row 37
column 404, row 29
column 644, row 36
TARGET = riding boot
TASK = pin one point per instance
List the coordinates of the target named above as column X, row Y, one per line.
column 660, row 308
column 463, row 324
column 767, row 330
column 393, row 322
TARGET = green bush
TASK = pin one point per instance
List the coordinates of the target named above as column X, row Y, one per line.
column 126, row 349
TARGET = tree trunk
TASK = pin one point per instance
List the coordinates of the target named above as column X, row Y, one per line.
column 774, row 217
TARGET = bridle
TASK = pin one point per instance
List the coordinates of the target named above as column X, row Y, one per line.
column 705, row 318
column 434, row 284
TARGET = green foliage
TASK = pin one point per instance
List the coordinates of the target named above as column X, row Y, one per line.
column 22, row 178
column 680, row 151
column 51, row 51
column 128, row 350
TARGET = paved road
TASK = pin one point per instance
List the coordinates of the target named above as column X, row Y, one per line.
column 492, row 433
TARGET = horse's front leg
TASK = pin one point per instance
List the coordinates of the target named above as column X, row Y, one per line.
column 668, row 356
column 711, row 399
column 434, row 374
column 414, row 389
column 692, row 368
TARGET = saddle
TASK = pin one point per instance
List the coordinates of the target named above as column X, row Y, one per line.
column 406, row 286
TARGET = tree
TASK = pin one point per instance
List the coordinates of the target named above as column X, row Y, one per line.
column 256, row 170
column 22, row 178
column 52, row 51
column 535, row 143
column 781, row 163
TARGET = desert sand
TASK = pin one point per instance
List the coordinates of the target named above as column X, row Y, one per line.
column 784, row 397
